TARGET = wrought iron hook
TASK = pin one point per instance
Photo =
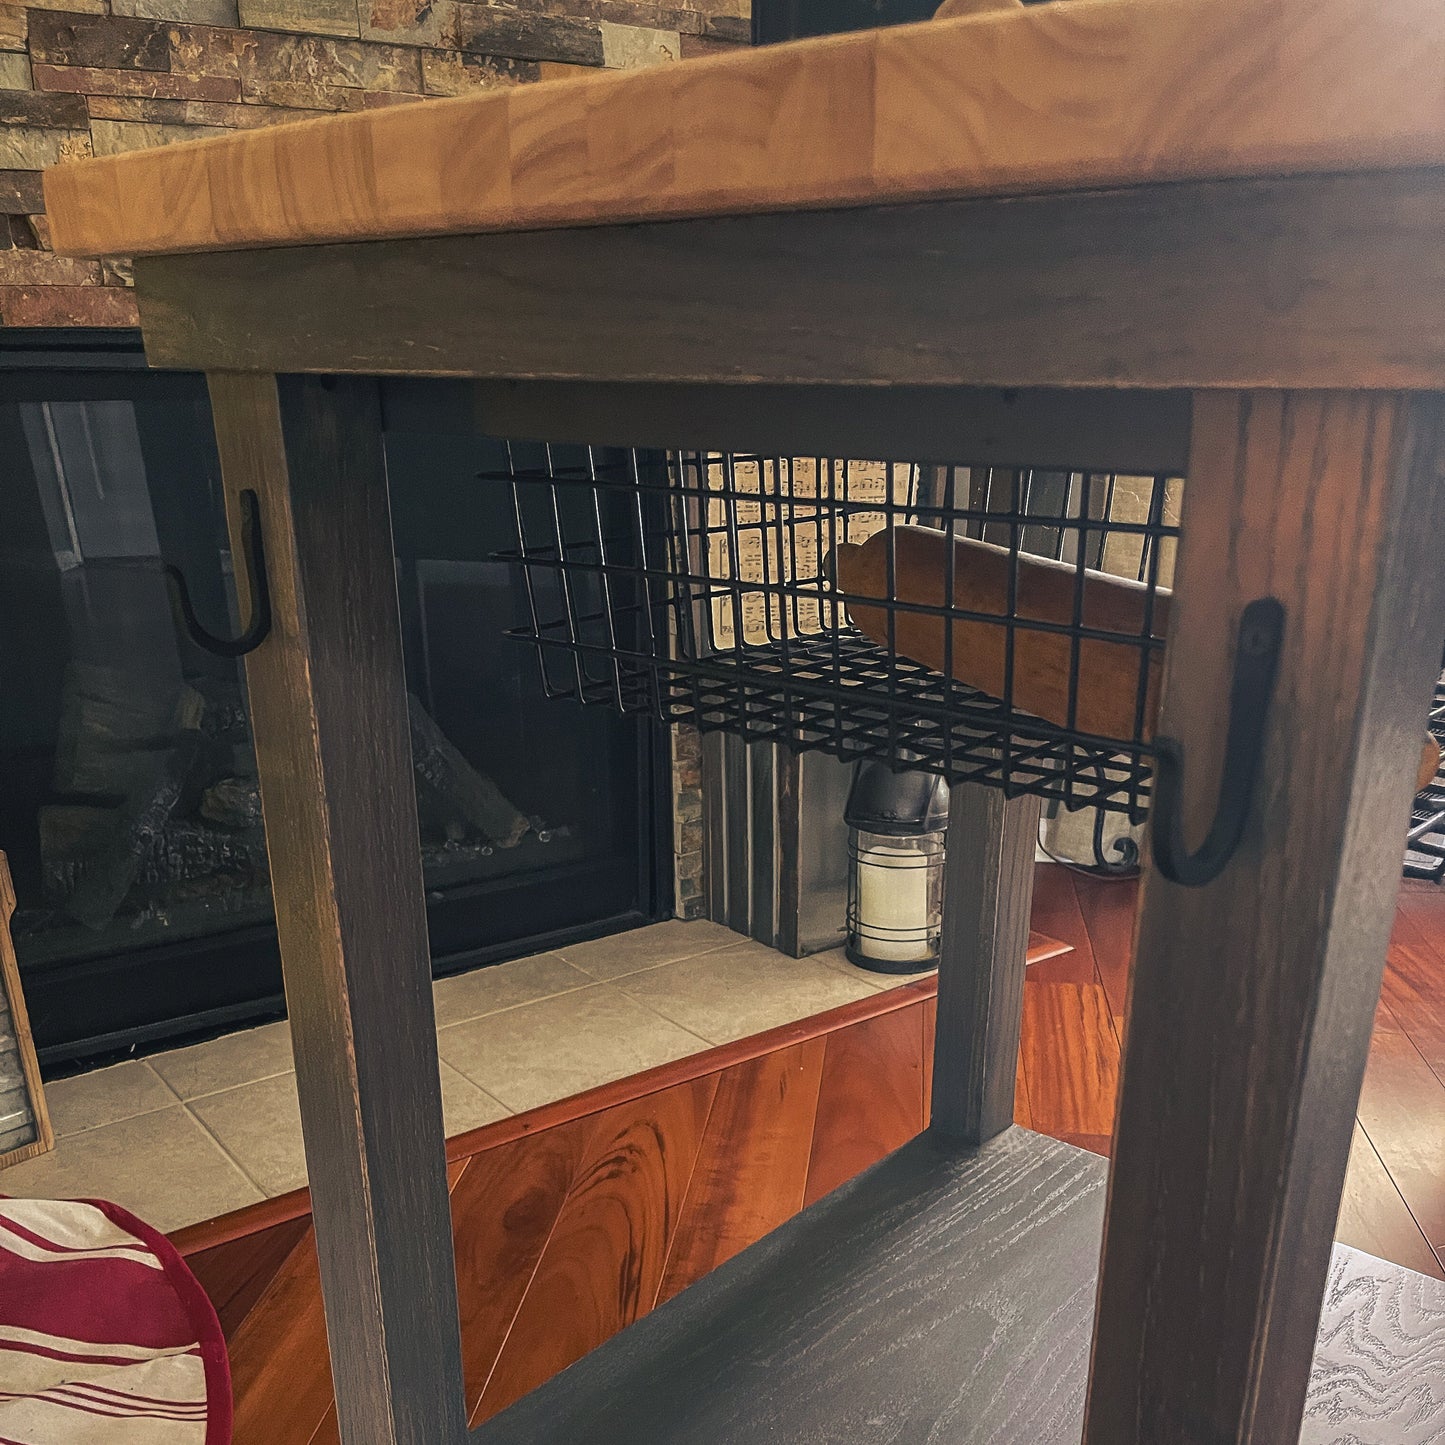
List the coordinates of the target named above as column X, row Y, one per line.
column 1256, row 660
column 253, row 550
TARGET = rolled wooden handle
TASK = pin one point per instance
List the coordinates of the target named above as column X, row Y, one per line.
column 1109, row 672
column 1429, row 763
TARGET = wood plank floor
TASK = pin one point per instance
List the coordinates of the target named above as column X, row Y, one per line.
column 573, row 1220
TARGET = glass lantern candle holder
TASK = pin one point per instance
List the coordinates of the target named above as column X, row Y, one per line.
column 895, row 901
column 896, row 832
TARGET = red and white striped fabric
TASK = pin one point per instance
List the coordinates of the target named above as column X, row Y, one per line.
column 106, row 1338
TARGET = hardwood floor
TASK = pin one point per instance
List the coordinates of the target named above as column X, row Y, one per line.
column 573, row 1220
column 1074, row 1005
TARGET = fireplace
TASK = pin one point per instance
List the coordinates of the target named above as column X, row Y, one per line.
column 128, row 800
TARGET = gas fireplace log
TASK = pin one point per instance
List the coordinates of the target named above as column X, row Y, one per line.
column 145, row 813
column 450, row 789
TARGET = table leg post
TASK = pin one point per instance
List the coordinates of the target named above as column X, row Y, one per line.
column 987, row 891
column 328, row 710
column 1253, row 995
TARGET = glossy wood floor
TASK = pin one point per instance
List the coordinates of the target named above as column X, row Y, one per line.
column 574, row 1220
column 1394, row 1200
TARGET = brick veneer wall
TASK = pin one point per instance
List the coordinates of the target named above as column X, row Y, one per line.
column 93, row 77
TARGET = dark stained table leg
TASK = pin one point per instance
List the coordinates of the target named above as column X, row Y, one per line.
column 328, row 708
column 1252, row 996
column 988, row 888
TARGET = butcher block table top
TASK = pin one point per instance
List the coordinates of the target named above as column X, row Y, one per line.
column 1084, row 94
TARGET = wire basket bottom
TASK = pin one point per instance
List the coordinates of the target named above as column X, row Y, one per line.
column 838, row 693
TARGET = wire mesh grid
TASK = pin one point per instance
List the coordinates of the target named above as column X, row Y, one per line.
column 996, row 625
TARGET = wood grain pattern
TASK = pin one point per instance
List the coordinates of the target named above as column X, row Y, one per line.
column 736, row 1195
column 871, row 1099
column 1377, row 1357
column 332, row 746
column 1373, row 1212
column 629, row 1187
column 14, row 998
column 237, row 1273
column 987, row 885
column 280, row 1365
column 1152, row 286
column 511, row 1180
column 504, row 1210
column 1056, row 910
column 1107, row 93
column 1071, row 1058
column 1411, row 988
column 1251, row 1002
column 918, row 1302
column 1107, row 907
column 1401, row 1109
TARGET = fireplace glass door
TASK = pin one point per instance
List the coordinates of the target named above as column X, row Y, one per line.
column 129, row 806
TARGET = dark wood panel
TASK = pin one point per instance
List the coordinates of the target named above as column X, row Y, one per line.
column 1156, row 287
column 1144, row 431
column 1252, row 996
column 871, row 1099
column 237, row 1273
column 946, row 1294
column 987, row 884
column 1070, row 1058
column 603, row 1262
column 752, row 1167
column 1373, row 1216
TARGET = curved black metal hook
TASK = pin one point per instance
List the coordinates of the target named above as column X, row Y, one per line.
column 253, row 550
column 1256, row 660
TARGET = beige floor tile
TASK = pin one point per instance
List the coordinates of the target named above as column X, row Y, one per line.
column 104, row 1097
column 835, row 958
column 464, row 1106
column 227, row 1062
column 504, row 985
column 743, row 990
column 162, row 1166
column 259, row 1126
column 624, row 953
column 560, row 1046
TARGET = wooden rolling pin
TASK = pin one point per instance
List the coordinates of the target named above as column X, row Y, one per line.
column 1108, row 671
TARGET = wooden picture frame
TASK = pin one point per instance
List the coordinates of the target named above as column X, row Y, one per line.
column 22, row 1096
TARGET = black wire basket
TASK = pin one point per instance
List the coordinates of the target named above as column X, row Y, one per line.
column 995, row 625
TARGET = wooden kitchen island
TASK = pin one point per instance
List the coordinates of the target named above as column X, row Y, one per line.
column 1167, row 236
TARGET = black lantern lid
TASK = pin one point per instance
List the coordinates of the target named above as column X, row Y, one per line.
column 898, row 805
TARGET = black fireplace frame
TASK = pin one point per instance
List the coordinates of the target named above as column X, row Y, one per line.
column 90, row 1011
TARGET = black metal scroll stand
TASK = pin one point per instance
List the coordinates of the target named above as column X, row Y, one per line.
column 1256, row 660
column 256, row 631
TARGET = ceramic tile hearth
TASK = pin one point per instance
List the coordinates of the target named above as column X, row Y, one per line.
column 186, row 1135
